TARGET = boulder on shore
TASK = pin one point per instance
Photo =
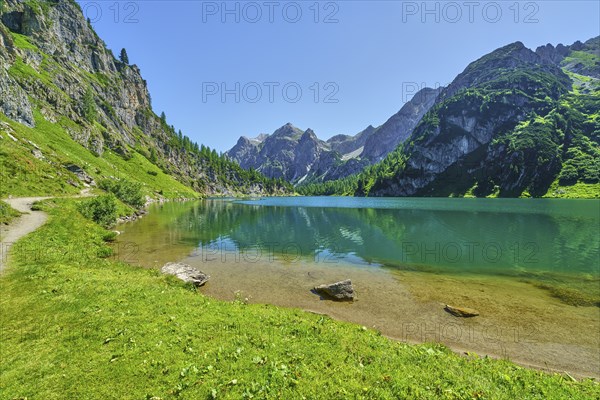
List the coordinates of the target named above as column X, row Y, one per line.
column 462, row 312
column 342, row 290
column 186, row 273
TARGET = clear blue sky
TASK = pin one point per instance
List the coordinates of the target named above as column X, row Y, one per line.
column 368, row 57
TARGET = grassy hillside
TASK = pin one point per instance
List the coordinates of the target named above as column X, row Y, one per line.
column 22, row 174
column 77, row 325
column 96, row 114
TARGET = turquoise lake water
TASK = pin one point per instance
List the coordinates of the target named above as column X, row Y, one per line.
column 487, row 236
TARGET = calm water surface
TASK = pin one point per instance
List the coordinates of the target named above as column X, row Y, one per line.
column 487, row 236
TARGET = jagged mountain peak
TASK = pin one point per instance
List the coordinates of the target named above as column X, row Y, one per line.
column 500, row 62
column 281, row 154
column 287, row 130
column 309, row 134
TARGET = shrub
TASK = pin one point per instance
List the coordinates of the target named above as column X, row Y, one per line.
column 128, row 192
column 110, row 236
column 102, row 210
column 104, row 252
column 568, row 175
column 89, row 106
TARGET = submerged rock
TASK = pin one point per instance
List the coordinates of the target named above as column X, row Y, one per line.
column 342, row 290
column 186, row 273
column 461, row 311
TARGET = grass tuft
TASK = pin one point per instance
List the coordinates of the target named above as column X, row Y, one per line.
column 7, row 213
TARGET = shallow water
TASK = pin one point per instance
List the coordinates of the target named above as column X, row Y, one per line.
column 523, row 264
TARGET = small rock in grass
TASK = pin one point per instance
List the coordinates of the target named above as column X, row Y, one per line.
column 462, row 312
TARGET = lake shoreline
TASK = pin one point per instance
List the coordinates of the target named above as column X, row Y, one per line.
column 396, row 309
column 520, row 318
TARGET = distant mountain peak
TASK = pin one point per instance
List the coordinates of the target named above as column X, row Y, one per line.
column 287, row 130
column 260, row 138
column 300, row 156
column 310, row 136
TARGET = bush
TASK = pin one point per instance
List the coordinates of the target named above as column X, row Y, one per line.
column 89, row 106
column 110, row 236
column 128, row 192
column 102, row 210
column 104, row 252
column 568, row 175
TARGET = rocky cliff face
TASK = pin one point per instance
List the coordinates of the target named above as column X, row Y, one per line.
column 504, row 125
column 400, row 126
column 346, row 144
column 300, row 157
column 288, row 153
column 13, row 100
column 53, row 63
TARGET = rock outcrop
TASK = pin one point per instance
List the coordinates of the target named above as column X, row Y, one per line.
column 81, row 174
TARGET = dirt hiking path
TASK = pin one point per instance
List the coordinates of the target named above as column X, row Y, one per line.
column 23, row 225
column 20, row 226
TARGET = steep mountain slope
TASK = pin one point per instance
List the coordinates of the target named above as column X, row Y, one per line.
column 508, row 125
column 60, row 85
column 514, row 123
column 400, row 126
column 300, row 157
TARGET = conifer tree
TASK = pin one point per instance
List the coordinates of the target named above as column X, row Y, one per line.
column 124, row 57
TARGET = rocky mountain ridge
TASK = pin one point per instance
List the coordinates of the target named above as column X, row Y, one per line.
column 300, row 156
column 515, row 122
column 508, row 125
